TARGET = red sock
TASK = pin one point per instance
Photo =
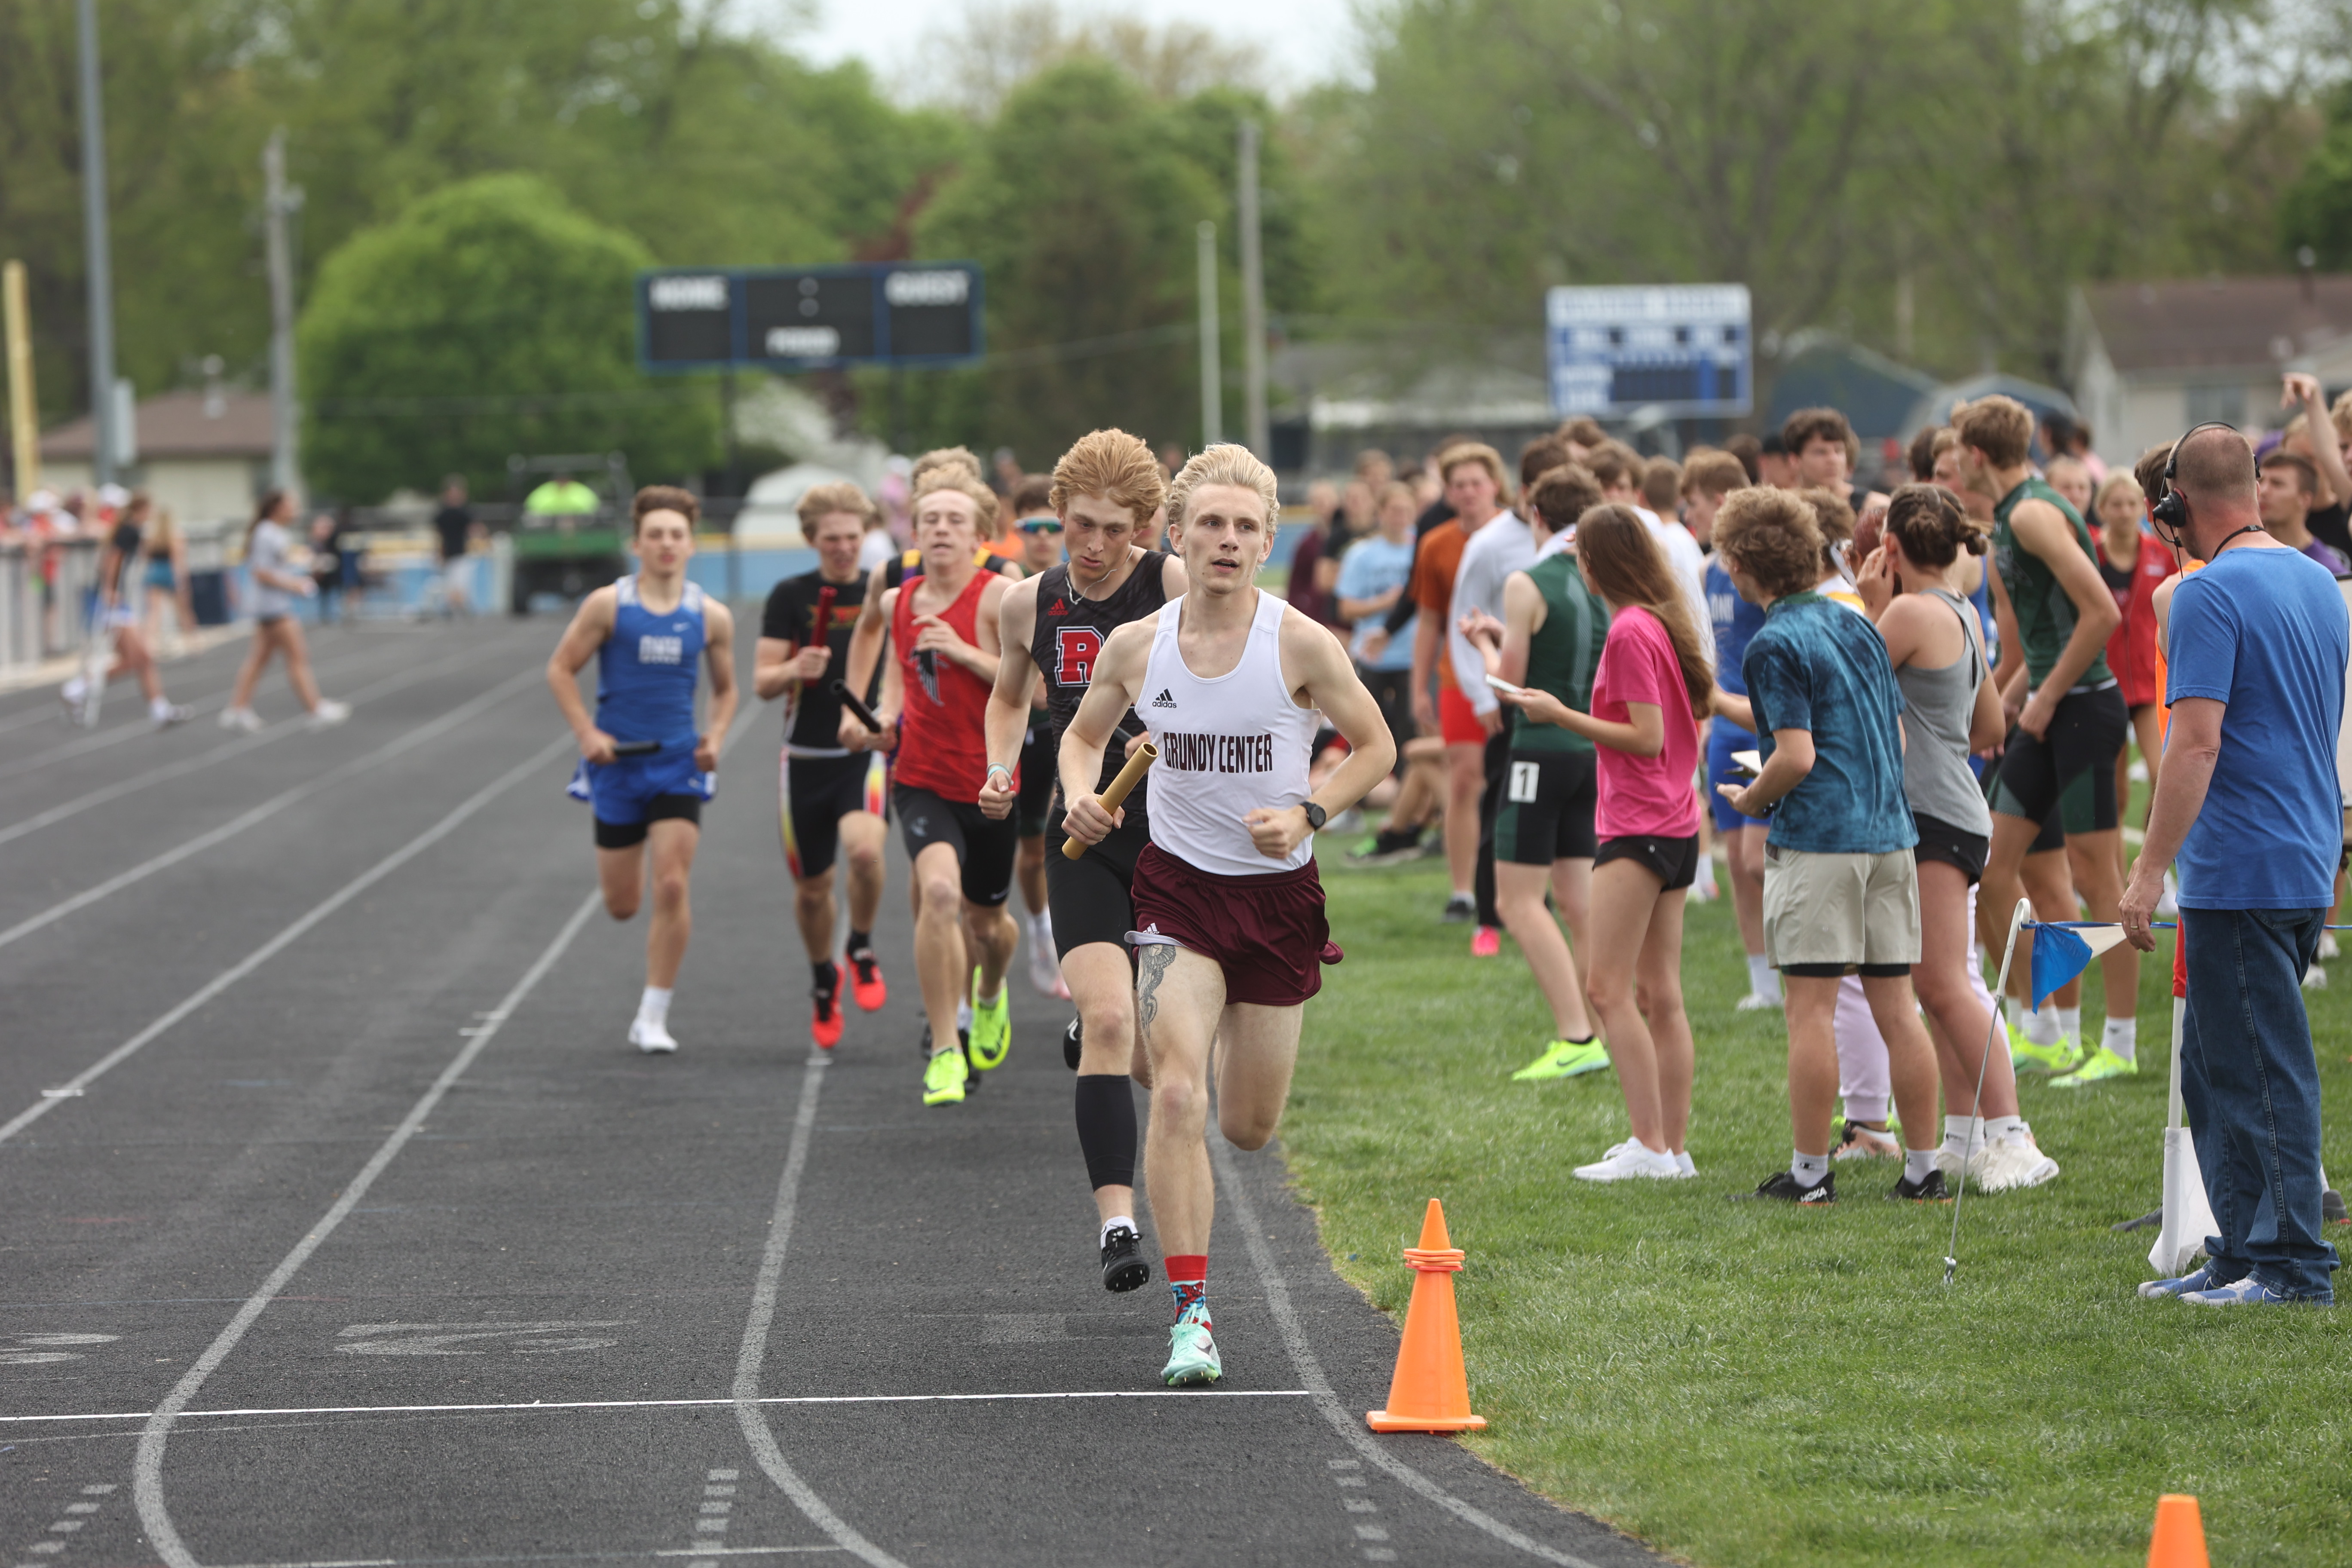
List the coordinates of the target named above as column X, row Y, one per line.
column 1188, row 1278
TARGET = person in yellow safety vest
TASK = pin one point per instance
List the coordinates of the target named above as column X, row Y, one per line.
column 562, row 496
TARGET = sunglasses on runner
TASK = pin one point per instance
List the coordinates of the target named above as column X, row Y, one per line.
column 1040, row 525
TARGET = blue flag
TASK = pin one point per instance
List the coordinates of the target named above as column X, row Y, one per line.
column 2060, row 953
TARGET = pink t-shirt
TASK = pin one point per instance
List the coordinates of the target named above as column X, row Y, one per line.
column 1644, row 798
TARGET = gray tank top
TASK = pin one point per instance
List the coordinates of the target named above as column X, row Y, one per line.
column 1938, row 705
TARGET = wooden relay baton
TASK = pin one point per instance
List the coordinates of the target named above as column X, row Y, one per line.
column 1128, row 777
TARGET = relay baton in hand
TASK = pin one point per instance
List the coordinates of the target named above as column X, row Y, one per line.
column 1128, row 777
column 635, row 748
column 840, row 689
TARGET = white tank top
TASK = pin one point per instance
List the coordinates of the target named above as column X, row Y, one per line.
column 1227, row 746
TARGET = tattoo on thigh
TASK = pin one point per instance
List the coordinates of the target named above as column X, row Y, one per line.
column 1151, row 962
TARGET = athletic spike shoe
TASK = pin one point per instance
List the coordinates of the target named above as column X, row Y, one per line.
column 1928, row 1189
column 1192, row 1352
column 2101, row 1064
column 992, row 1030
column 1073, row 1042
column 944, row 1078
column 865, row 982
column 1123, row 1267
column 1565, row 1058
column 2055, row 1058
column 1781, row 1186
column 1485, row 942
column 652, row 1039
column 824, row 1020
column 971, row 1071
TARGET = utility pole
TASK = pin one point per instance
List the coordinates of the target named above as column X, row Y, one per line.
column 100, row 259
column 23, row 416
column 1252, row 300
column 1212, row 376
column 280, row 202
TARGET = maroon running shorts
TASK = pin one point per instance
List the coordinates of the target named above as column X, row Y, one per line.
column 1268, row 934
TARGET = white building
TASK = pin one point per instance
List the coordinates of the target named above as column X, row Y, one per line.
column 2149, row 360
column 203, row 456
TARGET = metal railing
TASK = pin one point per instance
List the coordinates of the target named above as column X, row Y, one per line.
column 45, row 596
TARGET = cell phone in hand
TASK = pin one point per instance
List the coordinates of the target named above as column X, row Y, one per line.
column 1748, row 763
column 1505, row 687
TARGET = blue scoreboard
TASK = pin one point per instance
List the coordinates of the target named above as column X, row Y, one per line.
column 1677, row 349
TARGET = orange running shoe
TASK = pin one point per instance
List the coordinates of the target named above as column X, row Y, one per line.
column 865, row 982
column 825, row 1017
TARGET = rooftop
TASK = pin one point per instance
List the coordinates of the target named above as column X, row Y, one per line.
column 2221, row 323
column 190, row 424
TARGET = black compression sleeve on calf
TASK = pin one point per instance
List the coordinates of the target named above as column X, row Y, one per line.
column 1107, row 1128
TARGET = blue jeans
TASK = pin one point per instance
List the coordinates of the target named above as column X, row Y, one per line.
column 2251, row 1085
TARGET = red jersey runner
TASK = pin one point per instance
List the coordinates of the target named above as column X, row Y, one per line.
column 942, row 738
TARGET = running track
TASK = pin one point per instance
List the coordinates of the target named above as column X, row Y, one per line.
column 341, row 1229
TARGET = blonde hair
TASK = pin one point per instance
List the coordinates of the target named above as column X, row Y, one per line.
column 2116, row 481
column 819, row 501
column 1228, row 464
column 1476, row 452
column 1114, row 466
column 960, row 477
column 943, row 457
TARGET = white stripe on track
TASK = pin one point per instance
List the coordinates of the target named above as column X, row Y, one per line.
column 147, row 1466
column 750, row 1414
column 1350, row 1425
column 551, row 1404
column 183, row 768
column 260, row 955
column 551, row 1557
column 269, row 808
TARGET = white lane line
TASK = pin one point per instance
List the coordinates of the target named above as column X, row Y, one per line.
column 278, row 943
column 550, row 1557
column 147, row 1466
column 268, row 809
column 749, row 1413
column 552, row 1405
column 182, row 769
column 1349, row 1425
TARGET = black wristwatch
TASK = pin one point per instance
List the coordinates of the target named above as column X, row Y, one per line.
column 1314, row 815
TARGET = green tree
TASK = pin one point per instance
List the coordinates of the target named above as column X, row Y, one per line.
column 490, row 318
column 2317, row 208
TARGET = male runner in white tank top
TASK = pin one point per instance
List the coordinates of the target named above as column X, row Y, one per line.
column 1230, row 933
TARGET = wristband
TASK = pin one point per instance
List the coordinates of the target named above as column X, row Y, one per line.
column 997, row 768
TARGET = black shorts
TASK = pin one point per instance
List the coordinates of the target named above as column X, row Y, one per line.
column 1547, row 811
column 1673, row 861
column 1392, row 690
column 2040, row 777
column 1092, row 898
column 1941, row 842
column 818, row 791
column 660, row 808
column 1035, row 799
column 984, row 848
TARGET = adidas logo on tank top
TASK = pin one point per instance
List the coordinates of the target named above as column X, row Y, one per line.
column 1165, row 700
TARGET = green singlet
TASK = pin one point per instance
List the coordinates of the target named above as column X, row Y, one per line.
column 1563, row 653
column 2045, row 615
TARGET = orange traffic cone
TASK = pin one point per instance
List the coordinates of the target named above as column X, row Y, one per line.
column 2179, row 1538
column 1430, row 1392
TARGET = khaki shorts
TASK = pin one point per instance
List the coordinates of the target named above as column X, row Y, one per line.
column 1846, row 909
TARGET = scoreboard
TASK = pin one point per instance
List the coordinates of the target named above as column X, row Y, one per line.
column 809, row 318
column 1678, row 350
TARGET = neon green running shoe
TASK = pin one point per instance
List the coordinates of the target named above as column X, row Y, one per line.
column 1564, row 1058
column 1191, row 1352
column 991, row 1026
column 2101, row 1064
column 944, row 1076
column 2055, row 1058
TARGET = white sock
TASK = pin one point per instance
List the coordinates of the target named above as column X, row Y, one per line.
column 1041, row 928
column 2042, row 1025
column 654, row 1006
column 2002, row 1128
column 1115, row 1222
column 1809, row 1169
column 990, row 1000
column 2122, row 1036
column 2012, row 1009
column 2070, row 1023
column 1917, row 1163
column 1958, row 1129
column 1763, row 980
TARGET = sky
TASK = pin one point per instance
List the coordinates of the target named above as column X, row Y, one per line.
column 1304, row 41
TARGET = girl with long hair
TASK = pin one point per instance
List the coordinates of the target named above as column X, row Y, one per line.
column 1653, row 683
column 167, row 581
column 277, row 586
column 134, row 654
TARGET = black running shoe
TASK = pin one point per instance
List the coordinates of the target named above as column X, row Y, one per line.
column 1073, row 1041
column 1928, row 1189
column 1123, row 1267
column 1783, row 1187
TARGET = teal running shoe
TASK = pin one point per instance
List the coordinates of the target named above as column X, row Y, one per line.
column 1192, row 1352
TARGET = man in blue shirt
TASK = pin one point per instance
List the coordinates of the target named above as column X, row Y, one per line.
column 2248, row 806
column 1841, row 888
column 1373, row 577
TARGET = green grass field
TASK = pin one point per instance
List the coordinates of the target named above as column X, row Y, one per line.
column 1748, row 1384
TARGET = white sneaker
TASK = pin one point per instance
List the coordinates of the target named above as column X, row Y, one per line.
column 651, row 1037
column 2168, row 902
column 1756, row 1002
column 2315, row 978
column 1683, row 1169
column 169, row 714
column 243, row 719
column 2327, row 948
column 329, row 713
column 2010, row 1162
column 1631, row 1161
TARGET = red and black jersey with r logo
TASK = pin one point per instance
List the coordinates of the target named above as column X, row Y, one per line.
column 1070, row 633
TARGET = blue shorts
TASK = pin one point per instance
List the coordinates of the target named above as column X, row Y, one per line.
column 1723, row 738
column 620, row 791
